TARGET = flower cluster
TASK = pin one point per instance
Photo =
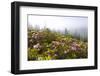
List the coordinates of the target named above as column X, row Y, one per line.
column 50, row 45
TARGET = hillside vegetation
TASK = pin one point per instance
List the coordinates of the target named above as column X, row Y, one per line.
column 45, row 44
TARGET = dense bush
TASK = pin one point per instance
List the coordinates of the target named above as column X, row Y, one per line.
column 45, row 44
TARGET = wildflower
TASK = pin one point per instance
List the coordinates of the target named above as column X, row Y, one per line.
column 73, row 48
column 65, row 52
column 30, row 40
column 55, row 43
column 55, row 54
column 37, row 46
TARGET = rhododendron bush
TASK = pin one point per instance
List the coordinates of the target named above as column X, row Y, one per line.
column 45, row 44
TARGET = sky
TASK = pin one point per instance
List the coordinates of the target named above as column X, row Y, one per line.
column 58, row 22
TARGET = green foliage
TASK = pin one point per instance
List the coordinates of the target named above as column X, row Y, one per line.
column 45, row 44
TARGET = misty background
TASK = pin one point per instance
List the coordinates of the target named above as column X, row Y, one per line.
column 75, row 25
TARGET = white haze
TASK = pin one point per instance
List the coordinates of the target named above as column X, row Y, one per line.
column 58, row 22
column 75, row 25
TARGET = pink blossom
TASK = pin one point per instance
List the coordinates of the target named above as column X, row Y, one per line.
column 73, row 48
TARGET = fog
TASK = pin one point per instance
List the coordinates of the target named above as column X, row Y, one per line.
column 74, row 24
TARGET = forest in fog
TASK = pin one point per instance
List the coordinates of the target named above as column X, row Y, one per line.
column 45, row 44
column 51, row 38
